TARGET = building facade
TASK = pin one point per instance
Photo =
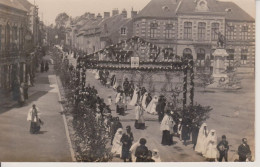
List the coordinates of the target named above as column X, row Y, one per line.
column 12, row 29
column 185, row 27
column 93, row 33
column 18, row 38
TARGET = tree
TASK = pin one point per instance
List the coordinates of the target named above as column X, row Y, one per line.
column 61, row 20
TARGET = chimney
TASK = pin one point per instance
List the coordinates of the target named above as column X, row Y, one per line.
column 124, row 13
column 92, row 15
column 133, row 14
column 106, row 15
column 99, row 17
column 115, row 12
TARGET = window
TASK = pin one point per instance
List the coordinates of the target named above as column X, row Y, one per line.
column 168, row 53
column 123, row 31
column 187, row 30
column 168, row 29
column 244, row 53
column 21, row 38
column 244, row 33
column 14, row 34
column 7, row 37
column 201, row 57
column 231, row 53
column 0, row 38
column 214, row 31
column 230, row 32
column 187, row 53
column 201, row 31
column 153, row 30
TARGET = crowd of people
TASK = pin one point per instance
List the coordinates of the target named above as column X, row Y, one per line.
column 171, row 122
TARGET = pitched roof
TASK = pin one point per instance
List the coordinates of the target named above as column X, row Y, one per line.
column 26, row 4
column 13, row 4
column 217, row 7
column 160, row 9
column 113, row 24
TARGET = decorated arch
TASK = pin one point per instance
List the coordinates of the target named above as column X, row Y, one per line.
column 138, row 55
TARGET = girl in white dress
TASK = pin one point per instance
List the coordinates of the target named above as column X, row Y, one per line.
column 203, row 133
column 151, row 108
column 144, row 100
column 117, row 145
column 135, row 97
column 211, row 146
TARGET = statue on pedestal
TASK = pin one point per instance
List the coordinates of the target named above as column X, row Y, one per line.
column 221, row 40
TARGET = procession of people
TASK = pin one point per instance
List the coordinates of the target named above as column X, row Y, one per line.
column 131, row 96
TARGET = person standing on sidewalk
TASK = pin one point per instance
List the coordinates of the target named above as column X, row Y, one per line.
column 33, row 117
column 21, row 100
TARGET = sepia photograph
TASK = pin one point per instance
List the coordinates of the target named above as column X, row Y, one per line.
column 127, row 81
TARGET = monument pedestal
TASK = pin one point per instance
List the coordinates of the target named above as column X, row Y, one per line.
column 219, row 68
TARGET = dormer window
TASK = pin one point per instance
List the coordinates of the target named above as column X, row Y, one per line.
column 202, row 6
column 165, row 8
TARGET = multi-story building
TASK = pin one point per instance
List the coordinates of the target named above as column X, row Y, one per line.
column 191, row 27
column 13, row 18
column 19, row 34
column 97, row 32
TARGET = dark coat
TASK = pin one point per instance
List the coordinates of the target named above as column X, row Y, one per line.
column 127, row 140
column 243, row 151
column 141, row 153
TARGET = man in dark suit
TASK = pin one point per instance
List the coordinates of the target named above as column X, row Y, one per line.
column 244, row 150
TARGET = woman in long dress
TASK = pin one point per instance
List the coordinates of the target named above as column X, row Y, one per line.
column 34, row 118
column 211, row 146
column 144, row 100
column 203, row 133
column 151, row 108
column 135, row 97
column 117, row 145
column 139, row 117
column 166, row 128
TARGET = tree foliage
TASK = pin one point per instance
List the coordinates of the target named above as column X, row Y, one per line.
column 61, row 19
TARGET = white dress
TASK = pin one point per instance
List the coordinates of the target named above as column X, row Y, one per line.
column 117, row 97
column 151, row 108
column 200, row 146
column 211, row 145
column 97, row 75
column 117, row 145
column 144, row 100
column 134, row 98
column 133, row 149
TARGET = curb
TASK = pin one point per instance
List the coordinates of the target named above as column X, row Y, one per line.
column 73, row 157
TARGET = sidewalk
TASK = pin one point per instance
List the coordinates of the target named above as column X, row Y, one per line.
column 17, row 144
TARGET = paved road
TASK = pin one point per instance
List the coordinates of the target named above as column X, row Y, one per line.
column 17, row 144
column 233, row 115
